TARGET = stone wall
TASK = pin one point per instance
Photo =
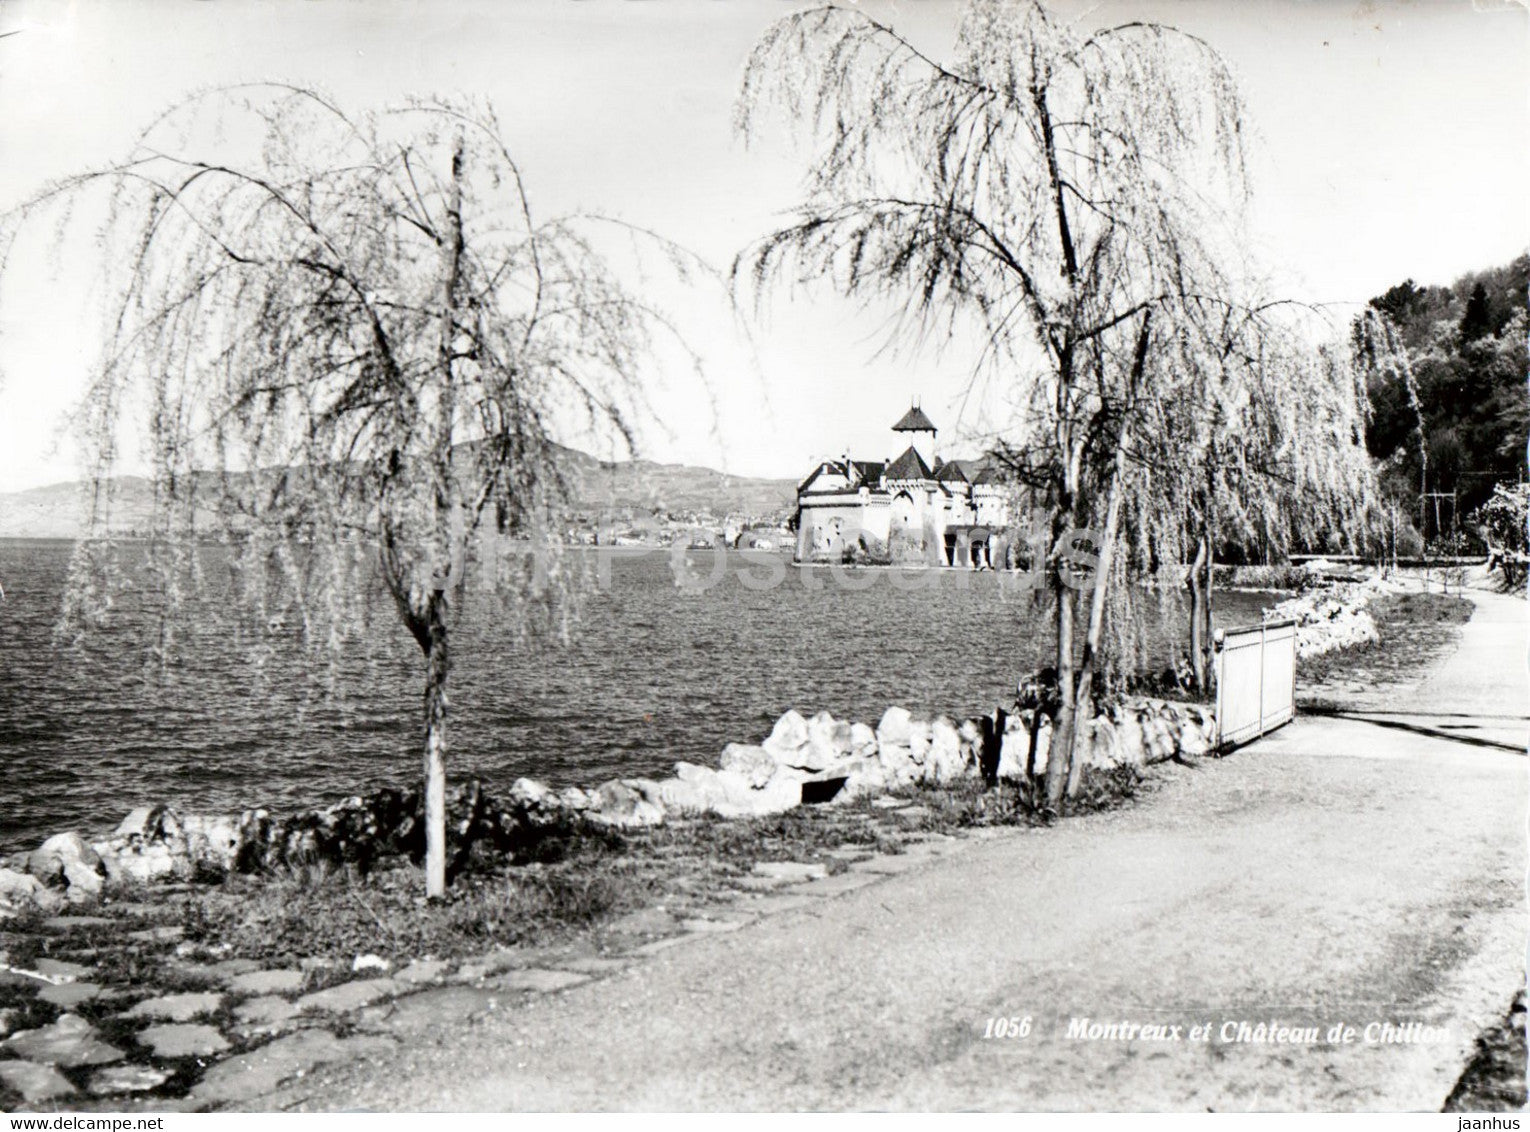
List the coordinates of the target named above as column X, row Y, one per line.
column 1334, row 617
column 802, row 760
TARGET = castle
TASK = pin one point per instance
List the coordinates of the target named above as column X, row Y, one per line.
column 915, row 508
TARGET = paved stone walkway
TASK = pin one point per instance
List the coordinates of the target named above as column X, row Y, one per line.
column 247, row 1029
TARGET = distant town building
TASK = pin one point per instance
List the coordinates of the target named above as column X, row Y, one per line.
column 914, row 508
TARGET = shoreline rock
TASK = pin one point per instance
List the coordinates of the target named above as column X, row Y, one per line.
column 803, row 761
column 1333, row 618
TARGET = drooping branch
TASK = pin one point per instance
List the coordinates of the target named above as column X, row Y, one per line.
column 1053, row 192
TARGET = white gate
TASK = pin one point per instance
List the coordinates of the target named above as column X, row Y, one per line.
column 1256, row 680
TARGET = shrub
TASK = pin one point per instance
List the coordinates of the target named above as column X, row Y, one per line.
column 1285, row 577
column 1502, row 520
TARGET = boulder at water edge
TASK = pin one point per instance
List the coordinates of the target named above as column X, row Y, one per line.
column 824, row 743
column 894, row 727
column 139, row 821
column 212, row 840
column 777, row 796
column 47, row 861
column 153, row 842
column 531, row 794
column 1192, row 740
column 867, row 777
column 618, row 805
column 863, row 741
column 138, row 864
column 1043, row 744
column 683, row 797
column 789, row 736
column 945, row 760
column 1014, row 747
column 647, row 789
column 920, row 732
column 16, row 886
column 831, row 736
column 65, row 859
column 1159, row 741
column 535, row 803
column 1099, row 747
column 897, row 763
column 1131, row 750
column 711, row 787
column 754, row 763
column 18, row 889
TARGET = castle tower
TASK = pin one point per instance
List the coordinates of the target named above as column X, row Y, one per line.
column 921, row 431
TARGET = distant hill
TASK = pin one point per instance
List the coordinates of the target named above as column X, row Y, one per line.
column 58, row 510
column 646, row 485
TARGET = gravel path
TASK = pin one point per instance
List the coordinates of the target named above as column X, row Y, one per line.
column 1338, row 873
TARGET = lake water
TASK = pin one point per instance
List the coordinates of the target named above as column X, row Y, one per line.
column 655, row 674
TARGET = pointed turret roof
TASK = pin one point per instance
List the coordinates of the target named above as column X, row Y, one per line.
column 914, row 421
column 909, row 466
column 951, row 472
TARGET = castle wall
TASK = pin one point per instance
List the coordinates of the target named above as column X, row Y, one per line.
column 991, row 506
column 827, row 525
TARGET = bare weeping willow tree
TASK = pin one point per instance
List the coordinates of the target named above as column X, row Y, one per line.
column 1259, row 444
column 1074, row 197
column 355, row 345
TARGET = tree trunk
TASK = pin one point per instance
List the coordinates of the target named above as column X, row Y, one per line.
column 437, row 667
column 1030, row 754
column 1097, row 599
column 437, row 659
column 1200, row 610
column 1208, row 642
column 1062, row 733
column 993, row 728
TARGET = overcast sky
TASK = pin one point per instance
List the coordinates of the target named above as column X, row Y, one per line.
column 1393, row 144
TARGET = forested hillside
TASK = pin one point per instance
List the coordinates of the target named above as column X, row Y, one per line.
column 1467, row 431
